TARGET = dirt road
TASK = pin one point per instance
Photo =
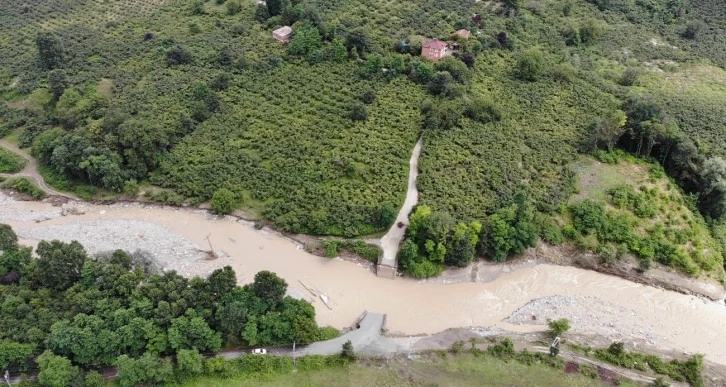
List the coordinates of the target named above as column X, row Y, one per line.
column 30, row 171
column 392, row 240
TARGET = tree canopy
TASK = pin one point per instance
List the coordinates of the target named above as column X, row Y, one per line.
column 113, row 309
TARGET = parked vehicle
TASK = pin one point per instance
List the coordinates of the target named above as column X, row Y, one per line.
column 259, row 351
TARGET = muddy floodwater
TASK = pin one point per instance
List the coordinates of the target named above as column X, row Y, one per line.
column 594, row 302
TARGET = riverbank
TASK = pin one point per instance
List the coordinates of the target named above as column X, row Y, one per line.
column 177, row 237
column 480, row 271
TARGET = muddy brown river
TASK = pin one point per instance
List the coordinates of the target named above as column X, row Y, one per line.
column 669, row 319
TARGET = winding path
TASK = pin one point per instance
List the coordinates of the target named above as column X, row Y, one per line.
column 30, row 170
column 391, row 242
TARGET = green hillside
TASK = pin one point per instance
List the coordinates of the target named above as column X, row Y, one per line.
column 197, row 97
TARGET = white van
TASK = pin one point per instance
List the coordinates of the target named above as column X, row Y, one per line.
column 259, row 351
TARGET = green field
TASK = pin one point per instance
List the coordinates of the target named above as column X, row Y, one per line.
column 429, row 370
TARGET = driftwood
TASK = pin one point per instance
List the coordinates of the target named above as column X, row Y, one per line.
column 323, row 297
column 309, row 290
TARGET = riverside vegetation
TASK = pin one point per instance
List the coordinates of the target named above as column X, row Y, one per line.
column 66, row 314
column 197, row 98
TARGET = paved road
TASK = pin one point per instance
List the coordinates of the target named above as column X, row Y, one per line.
column 392, row 240
column 367, row 335
column 367, row 339
column 30, row 170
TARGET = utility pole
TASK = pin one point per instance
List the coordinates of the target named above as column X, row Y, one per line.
column 7, row 378
column 294, row 359
column 213, row 255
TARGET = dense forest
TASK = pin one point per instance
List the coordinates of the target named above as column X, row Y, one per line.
column 65, row 314
column 191, row 101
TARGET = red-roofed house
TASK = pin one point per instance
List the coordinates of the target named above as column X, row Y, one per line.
column 282, row 34
column 433, row 49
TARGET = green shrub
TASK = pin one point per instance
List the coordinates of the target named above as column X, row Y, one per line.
column 570, row 232
column 162, row 196
column 10, row 162
column 617, row 228
column 333, row 247
column 93, row 379
column 588, row 216
column 233, row 7
column 550, row 231
column 425, row 269
column 690, row 371
column 312, row 363
column 530, row 65
column 607, row 157
column 23, row 185
column 457, row 347
column 348, row 351
column 558, row 327
column 503, row 350
column 327, row 333
column 223, row 201
column 217, row 366
column 608, row 253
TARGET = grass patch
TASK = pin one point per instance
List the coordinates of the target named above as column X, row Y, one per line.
column 628, row 205
column 10, row 162
column 432, row 369
column 23, row 185
column 690, row 371
column 333, row 247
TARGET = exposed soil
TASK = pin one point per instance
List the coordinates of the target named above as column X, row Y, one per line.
column 657, row 277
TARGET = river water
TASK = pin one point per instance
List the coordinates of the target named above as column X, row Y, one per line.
column 673, row 320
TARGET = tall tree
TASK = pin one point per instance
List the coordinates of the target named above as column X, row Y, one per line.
column 274, row 7
column 8, row 238
column 59, row 264
column 269, row 287
column 191, row 331
column 358, row 39
column 50, row 50
column 222, row 282
column 147, row 370
column 305, row 40
column 713, row 195
column 606, row 131
column 58, row 82
column 530, row 65
column 56, row 371
column 189, row 363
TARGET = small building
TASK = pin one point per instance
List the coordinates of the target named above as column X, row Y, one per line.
column 463, row 33
column 476, row 19
column 434, row 49
column 282, row 34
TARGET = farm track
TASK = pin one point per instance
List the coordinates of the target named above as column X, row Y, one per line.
column 30, row 171
column 391, row 242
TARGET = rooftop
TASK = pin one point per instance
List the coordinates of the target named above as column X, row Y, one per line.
column 435, row 44
column 464, row 33
column 282, row 31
